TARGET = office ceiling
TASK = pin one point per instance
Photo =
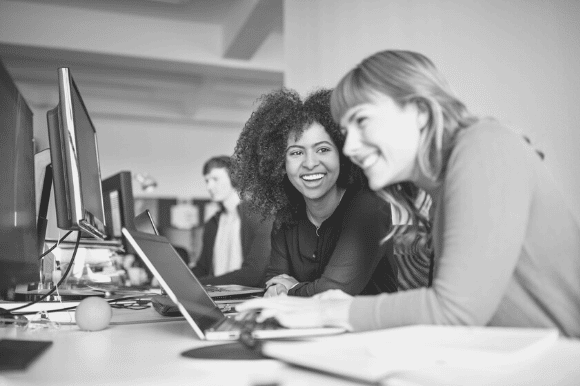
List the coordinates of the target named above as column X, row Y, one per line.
column 189, row 62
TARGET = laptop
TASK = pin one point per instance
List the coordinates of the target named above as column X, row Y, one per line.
column 144, row 223
column 196, row 306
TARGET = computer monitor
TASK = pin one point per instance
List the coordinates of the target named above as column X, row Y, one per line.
column 119, row 204
column 75, row 161
column 18, row 248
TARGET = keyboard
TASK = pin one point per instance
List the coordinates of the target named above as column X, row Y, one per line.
column 209, row 288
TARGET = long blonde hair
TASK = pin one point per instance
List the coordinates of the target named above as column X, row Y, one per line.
column 408, row 76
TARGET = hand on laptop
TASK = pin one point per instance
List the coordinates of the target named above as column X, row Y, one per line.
column 279, row 285
column 299, row 312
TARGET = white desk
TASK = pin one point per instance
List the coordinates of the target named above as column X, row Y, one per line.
column 150, row 354
column 143, row 354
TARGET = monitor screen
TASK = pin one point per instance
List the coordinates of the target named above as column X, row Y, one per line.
column 18, row 249
column 75, row 161
column 119, row 204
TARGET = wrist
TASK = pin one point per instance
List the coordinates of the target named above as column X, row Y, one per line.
column 293, row 285
column 336, row 312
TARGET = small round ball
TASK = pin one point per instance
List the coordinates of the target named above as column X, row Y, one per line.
column 93, row 314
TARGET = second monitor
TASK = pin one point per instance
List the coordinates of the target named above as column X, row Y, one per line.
column 75, row 160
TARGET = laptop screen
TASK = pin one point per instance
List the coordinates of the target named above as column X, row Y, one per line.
column 176, row 277
column 144, row 223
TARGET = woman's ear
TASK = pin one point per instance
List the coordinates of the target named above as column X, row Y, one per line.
column 423, row 114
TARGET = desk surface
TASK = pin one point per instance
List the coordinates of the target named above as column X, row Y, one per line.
column 150, row 354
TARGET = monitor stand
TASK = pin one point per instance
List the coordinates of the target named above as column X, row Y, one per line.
column 43, row 209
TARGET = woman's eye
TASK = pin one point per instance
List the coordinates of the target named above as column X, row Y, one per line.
column 294, row 153
column 323, row 149
column 361, row 120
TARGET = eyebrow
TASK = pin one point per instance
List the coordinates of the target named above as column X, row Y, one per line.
column 353, row 114
column 316, row 144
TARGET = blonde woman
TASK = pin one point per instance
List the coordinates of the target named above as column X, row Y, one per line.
column 506, row 245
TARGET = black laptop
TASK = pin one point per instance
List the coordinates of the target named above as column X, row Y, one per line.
column 198, row 308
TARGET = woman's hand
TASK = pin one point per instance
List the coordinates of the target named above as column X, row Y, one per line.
column 298, row 312
column 275, row 290
column 279, row 285
column 335, row 294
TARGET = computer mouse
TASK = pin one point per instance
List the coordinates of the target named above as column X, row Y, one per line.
column 93, row 314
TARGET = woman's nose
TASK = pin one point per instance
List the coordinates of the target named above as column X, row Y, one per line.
column 310, row 160
column 351, row 143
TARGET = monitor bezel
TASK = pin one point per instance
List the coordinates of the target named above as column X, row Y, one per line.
column 80, row 217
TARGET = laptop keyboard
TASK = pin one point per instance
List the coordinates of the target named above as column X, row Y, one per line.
column 212, row 289
column 248, row 323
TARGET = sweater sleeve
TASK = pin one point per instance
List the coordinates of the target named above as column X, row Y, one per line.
column 478, row 233
column 358, row 250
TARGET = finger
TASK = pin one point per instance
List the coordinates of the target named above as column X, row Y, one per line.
column 281, row 290
column 270, row 292
column 275, row 280
column 253, row 304
column 243, row 315
column 293, row 320
column 282, row 303
column 266, row 314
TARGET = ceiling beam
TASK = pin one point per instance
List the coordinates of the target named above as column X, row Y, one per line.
column 248, row 25
column 114, row 62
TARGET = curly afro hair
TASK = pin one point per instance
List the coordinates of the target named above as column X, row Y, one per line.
column 259, row 157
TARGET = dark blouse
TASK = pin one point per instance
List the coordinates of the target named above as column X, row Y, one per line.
column 347, row 253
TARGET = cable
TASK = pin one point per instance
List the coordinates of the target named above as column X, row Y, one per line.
column 55, row 245
column 58, row 284
column 111, row 302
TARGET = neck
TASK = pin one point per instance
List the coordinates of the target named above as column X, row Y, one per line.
column 322, row 208
column 231, row 202
column 422, row 181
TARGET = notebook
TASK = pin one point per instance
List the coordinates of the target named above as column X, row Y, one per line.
column 376, row 356
column 144, row 223
column 192, row 299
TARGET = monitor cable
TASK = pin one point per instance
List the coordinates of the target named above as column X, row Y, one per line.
column 51, row 291
column 55, row 245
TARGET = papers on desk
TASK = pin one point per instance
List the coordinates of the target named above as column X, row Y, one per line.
column 374, row 356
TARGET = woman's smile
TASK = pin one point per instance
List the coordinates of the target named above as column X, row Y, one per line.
column 315, row 177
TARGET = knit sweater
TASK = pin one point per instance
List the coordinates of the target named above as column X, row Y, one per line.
column 507, row 246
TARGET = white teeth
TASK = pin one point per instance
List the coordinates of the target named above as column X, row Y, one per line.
column 369, row 160
column 312, row 177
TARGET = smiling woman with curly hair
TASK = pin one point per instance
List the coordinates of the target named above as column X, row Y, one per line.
column 288, row 163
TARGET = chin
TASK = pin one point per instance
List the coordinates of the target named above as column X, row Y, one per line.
column 375, row 185
column 376, row 181
column 312, row 196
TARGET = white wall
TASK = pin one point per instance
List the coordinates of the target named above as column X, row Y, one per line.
column 516, row 60
column 173, row 155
